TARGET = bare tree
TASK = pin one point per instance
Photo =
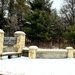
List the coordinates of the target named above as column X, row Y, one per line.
column 68, row 12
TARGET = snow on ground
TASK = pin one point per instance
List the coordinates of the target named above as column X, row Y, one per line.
column 26, row 66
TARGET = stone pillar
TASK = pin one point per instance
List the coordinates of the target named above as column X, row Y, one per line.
column 20, row 40
column 32, row 52
column 1, row 41
column 70, row 52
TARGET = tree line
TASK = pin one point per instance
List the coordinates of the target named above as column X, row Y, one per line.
column 38, row 20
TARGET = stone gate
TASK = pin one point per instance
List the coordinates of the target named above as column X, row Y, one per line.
column 16, row 43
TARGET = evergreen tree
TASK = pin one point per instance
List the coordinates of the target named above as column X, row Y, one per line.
column 69, row 35
column 21, row 9
column 68, row 19
column 2, row 19
column 11, row 8
column 38, row 21
column 16, row 10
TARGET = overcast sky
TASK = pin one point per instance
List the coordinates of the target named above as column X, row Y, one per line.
column 57, row 4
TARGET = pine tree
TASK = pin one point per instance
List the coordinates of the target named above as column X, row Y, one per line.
column 38, row 21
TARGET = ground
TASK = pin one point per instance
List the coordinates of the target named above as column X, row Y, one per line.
column 26, row 66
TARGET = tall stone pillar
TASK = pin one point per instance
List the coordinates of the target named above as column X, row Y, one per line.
column 32, row 52
column 20, row 40
column 1, row 41
column 70, row 52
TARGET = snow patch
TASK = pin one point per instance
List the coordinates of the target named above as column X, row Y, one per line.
column 25, row 48
column 26, row 66
column 1, row 31
column 19, row 32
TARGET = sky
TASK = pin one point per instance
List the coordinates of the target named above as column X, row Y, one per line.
column 57, row 4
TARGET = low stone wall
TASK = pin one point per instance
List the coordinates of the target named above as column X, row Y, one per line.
column 49, row 53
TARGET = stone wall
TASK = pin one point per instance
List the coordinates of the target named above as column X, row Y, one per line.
column 49, row 53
